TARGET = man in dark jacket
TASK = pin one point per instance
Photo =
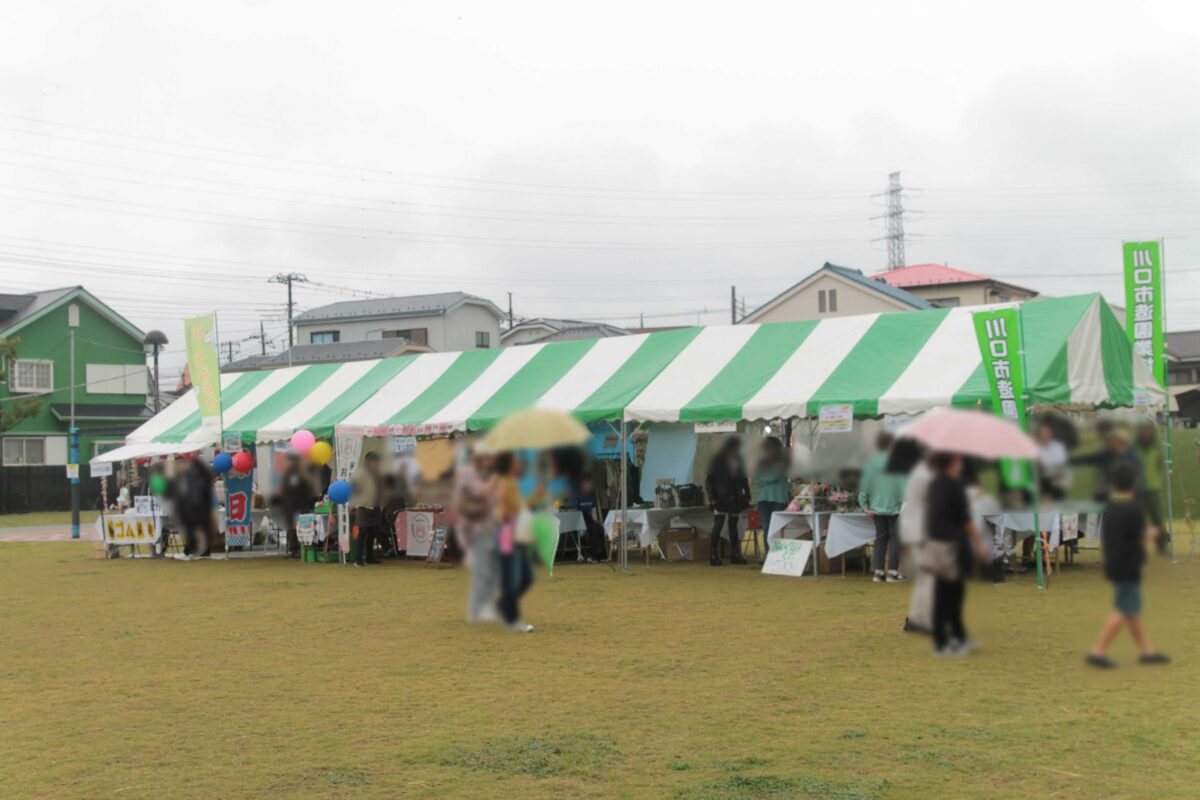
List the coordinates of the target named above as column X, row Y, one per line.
column 728, row 496
column 295, row 497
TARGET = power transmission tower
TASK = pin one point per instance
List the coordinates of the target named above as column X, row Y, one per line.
column 289, row 279
column 895, row 222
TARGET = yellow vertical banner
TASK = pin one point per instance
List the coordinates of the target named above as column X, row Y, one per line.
column 200, row 336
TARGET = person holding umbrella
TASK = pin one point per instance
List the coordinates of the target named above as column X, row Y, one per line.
column 952, row 536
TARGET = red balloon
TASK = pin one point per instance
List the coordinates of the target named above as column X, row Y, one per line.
column 243, row 462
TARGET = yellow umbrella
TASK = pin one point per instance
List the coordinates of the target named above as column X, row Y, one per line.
column 535, row 429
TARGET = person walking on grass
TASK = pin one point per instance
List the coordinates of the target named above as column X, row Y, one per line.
column 880, row 495
column 947, row 553
column 516, row 571
column 1124, row 540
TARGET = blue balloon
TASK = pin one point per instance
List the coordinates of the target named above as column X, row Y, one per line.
column 223, row 463
column 339, row 492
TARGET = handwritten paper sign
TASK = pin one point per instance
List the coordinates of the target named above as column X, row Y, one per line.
column 788, row 557
column 836, row 419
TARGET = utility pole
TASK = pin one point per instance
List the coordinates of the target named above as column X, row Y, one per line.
column 733, row 305
column 289, row 279
column 510, row 314
column 262, row 336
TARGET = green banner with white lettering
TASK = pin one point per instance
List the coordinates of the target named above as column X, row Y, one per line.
column 1144, row 305
column 999, row 336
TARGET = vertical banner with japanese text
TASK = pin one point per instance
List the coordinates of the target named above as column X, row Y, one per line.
column 200, row 341
column 1144, row 305
column 239, row 491
column 999, row 336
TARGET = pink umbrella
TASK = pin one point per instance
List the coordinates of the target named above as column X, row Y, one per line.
column 972, row 433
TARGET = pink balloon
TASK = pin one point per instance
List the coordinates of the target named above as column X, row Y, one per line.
column 302, row 442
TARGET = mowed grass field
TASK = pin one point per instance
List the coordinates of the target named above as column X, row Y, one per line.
column 269, row 678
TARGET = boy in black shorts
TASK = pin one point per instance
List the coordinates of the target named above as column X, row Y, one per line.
column 1124, row 534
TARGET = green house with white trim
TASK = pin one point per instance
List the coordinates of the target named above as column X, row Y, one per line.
column 111, row 380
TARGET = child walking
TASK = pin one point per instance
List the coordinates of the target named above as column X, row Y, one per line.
column 1124, row 553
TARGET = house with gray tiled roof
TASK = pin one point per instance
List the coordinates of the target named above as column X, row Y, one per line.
column 444, row 321
column 834, row 291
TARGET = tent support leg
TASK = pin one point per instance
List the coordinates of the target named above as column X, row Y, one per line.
column 624, row 558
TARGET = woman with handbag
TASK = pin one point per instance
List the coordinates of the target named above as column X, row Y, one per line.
column 946, row 553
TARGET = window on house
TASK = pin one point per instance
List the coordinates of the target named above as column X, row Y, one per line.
column 832, row 301
column 100, row 448
column 827, row 301
column 483, row 340
column 117, row 379
column 29, row 375
column 821, row 301
column 413, row 335
column 20, row 452
column 946, row 302
column 323, row 337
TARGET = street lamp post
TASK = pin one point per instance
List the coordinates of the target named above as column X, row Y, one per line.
column 153, row 342
column 72, row 431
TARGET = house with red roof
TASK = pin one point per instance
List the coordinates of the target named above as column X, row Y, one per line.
column 947, row 287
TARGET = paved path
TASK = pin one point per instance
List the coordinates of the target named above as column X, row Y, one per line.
column 48, row 533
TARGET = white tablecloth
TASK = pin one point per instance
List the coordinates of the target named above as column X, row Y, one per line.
column 846, row 532
column 571, row 521
column 1052, row 520
column 652, row 521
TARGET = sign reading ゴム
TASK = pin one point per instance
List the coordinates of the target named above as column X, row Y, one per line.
column 128, row 529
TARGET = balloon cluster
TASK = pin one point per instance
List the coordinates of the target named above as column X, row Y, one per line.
column 242, row 462
column 305, row 444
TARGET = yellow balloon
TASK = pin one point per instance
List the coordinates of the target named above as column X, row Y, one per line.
column 320, row 453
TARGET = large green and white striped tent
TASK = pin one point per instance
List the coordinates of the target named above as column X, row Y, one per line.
column 904, row 362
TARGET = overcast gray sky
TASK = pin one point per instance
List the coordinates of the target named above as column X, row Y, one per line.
column 596, row 160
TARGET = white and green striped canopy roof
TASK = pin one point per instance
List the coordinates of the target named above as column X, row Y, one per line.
column 904, row 362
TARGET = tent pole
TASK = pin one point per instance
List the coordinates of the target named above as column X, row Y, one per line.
column 1168, row 461
column 624, row 497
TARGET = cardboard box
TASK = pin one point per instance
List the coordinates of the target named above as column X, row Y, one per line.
column 680, row 545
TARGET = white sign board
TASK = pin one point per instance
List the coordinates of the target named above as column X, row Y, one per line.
column 128, row 529
column 403, row 445
column 788, row 557
column 101, row 469
column 716, row 427
column 420, row 533
column 836, row 419
column 231, row 443
column 308, row 527
column 73, row 472
column 348, row 448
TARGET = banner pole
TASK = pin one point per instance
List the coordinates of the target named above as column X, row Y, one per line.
column 1168, row 459
column 1037, row 488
